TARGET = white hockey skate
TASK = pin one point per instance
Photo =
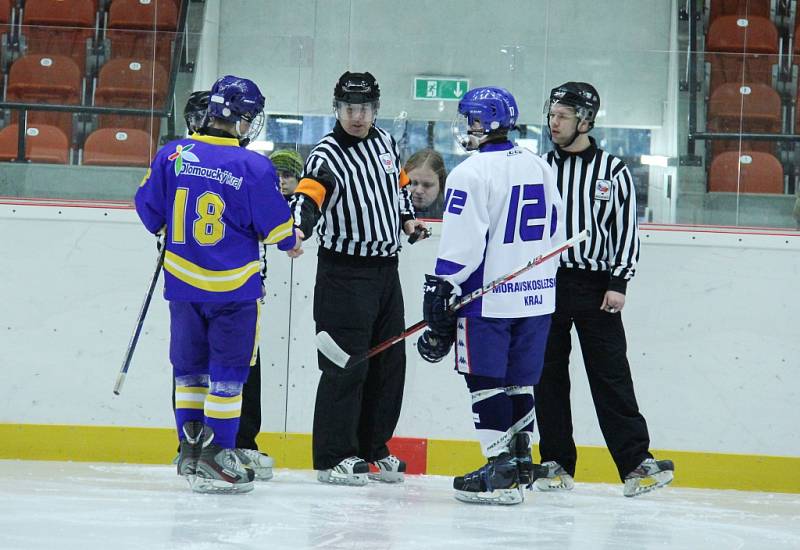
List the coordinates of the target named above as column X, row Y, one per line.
column 219, row 470
column 390, row 470
column 648, row 476
column 260, row 463
column 190, row 447
column 556, row 478
column 350, row 471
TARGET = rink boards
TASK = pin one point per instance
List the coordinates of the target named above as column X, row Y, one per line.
column 711, row 323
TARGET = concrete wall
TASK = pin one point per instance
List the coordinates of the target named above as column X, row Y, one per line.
column 711, row 320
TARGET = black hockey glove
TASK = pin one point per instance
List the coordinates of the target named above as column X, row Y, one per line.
column 436, row 307
column 432, row 347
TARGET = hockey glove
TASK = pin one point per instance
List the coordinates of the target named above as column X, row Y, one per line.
column 436, row 307
column 432, row 347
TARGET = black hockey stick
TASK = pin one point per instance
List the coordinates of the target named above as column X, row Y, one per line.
column 123, row 372
column 332, row 350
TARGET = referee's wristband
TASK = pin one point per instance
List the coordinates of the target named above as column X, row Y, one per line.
column 617, row 284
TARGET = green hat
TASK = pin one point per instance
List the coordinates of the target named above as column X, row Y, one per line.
column 287, row 160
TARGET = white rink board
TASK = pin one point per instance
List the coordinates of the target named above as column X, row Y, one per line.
column 711, row 319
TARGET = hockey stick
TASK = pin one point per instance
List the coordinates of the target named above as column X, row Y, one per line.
column 123, row 372
column 330, row 349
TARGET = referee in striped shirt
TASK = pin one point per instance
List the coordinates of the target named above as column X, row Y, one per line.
column 353, row 185
column 598, row 194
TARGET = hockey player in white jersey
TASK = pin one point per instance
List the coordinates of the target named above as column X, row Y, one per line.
column 502, row 208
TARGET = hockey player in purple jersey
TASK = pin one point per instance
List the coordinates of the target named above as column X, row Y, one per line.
column 502, row 208
column 216, row 202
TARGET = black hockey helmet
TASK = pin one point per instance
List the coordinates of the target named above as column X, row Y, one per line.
column 582, row 96
column 194, row 113
column 356, row 88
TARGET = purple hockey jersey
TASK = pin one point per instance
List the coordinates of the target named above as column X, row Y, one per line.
column 217, row 201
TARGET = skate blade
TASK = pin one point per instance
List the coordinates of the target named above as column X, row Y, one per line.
column 262, row 474
column 499, row 497
column 354, row 480
column 387, row 477
column 554, row 484
column 649, row 483
column 218, row 486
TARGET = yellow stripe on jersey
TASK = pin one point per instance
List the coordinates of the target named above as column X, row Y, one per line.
column 258, row 332
column 145, row 178
column 190, row 397
column 281, row 232
column 207, row 279
column 215, row 140
column 221, row 407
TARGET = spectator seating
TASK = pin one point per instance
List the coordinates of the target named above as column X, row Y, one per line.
column 142, row 30
column 741, row 50
column 134, row 84
column 49, row 79
column 759, row 8
column 748, row 172
column 754, row 108
column 58, row 27
column 119, row 147
column 43, row 143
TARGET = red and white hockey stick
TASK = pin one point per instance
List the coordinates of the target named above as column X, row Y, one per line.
column 332, row 350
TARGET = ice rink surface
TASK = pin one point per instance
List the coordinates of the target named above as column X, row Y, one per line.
column 80, row 506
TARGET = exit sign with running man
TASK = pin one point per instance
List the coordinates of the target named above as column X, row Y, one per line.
column 440, row 88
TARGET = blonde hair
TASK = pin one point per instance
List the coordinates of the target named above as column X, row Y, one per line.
column 433, row 160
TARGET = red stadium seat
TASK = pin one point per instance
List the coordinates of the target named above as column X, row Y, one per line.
column 43, row 143
column 49, row 79
column 754, row 108
column 748, row 172
column 741, row 49
column 134, row 84
column 758, row 8
column 142, row 30
column 58, row 27
column 119, row 147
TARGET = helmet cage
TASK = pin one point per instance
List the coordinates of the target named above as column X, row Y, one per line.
column 482, row 113
column 195, row 111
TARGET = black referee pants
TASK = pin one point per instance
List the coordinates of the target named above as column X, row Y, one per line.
column 579, row 294
column 359, row 302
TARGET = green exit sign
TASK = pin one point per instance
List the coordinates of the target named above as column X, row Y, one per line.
column 440, row 89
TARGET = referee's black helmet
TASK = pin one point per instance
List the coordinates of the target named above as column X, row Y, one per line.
column 356, row 88
column 582, row 96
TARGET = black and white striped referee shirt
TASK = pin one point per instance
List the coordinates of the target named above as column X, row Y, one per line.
column 598, row 194
column 359, row 189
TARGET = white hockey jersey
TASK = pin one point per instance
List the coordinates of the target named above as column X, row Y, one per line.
column 502, row 209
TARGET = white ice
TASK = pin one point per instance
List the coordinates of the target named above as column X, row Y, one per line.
column 80, row 506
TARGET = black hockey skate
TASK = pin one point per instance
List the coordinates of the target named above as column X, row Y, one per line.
column 648, row 476
column 190, row 448
column 521, row 450
column 390, row 470
column 497, row 482
column 350, row 471
column 219, row 470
